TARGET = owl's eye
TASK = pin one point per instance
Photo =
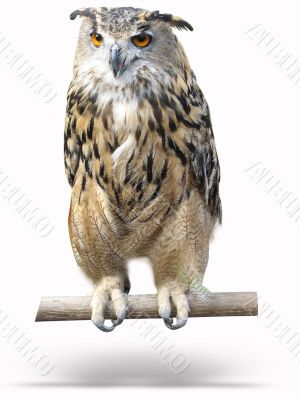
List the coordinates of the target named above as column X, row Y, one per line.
column 141, row 40
column 97, row 39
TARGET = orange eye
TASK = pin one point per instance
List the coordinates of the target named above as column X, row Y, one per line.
column 141, row 40
column 96, row 39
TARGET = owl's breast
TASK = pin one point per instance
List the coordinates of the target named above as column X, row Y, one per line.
column 128, row 151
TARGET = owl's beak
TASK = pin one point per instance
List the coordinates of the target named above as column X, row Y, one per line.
column 115, row 61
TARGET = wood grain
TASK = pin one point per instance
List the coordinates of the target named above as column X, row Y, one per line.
column 145, row 306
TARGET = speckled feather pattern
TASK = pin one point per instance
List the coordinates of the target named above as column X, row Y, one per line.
column 141, row 159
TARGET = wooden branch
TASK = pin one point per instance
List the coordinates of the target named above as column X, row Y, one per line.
column 145, row 306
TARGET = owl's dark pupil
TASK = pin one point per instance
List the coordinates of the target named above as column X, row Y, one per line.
column 141, row 38
column 98, row 38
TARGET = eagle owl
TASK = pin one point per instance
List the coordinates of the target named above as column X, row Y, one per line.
column 140, row 157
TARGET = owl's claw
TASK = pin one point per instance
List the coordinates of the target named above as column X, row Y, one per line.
column 108, row 289
column 120, row 318
column 115, row 322
column 164, row 297
column 179, row 324
column 168, row 321
column 103, row 327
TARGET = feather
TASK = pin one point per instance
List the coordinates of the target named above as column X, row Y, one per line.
column 175, row 22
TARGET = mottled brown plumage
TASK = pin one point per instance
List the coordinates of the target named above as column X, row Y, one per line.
column 141, row 159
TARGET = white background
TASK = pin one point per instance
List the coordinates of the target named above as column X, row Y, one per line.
column 255, row 112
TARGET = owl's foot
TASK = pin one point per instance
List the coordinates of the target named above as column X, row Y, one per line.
column 109, row 288
column 164, row 297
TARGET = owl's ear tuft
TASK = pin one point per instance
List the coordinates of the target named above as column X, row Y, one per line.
column 83, row 12
column 180, row 24
column 74, row 14
column 175, row 22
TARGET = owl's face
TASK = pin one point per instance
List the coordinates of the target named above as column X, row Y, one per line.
column 114, row 44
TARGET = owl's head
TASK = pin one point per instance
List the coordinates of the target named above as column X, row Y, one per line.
column 114, row 43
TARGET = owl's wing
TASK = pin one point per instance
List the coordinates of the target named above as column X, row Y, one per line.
column 72, row 146
column 203, row 154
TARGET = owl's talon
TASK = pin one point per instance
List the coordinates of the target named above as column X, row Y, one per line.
column 168, row 321
column 103, row 327
column 117, row 322
column 109, row 288
column 179, row 324
column 120, row 318
column 164, row 297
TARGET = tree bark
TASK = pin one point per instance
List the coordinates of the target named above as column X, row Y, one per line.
column 145, row 306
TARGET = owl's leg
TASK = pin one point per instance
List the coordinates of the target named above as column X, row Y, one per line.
column 114, row 288
column 171, row 289
column 176, row 277
column 98, row 252
column 179, row 258
column 171, row 285
column 110, row 279
column 166, row 294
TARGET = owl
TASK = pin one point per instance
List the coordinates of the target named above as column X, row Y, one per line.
column 141, row 160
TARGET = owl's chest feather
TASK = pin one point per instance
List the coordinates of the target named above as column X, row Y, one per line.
column 127, row 154
column 116, row 130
